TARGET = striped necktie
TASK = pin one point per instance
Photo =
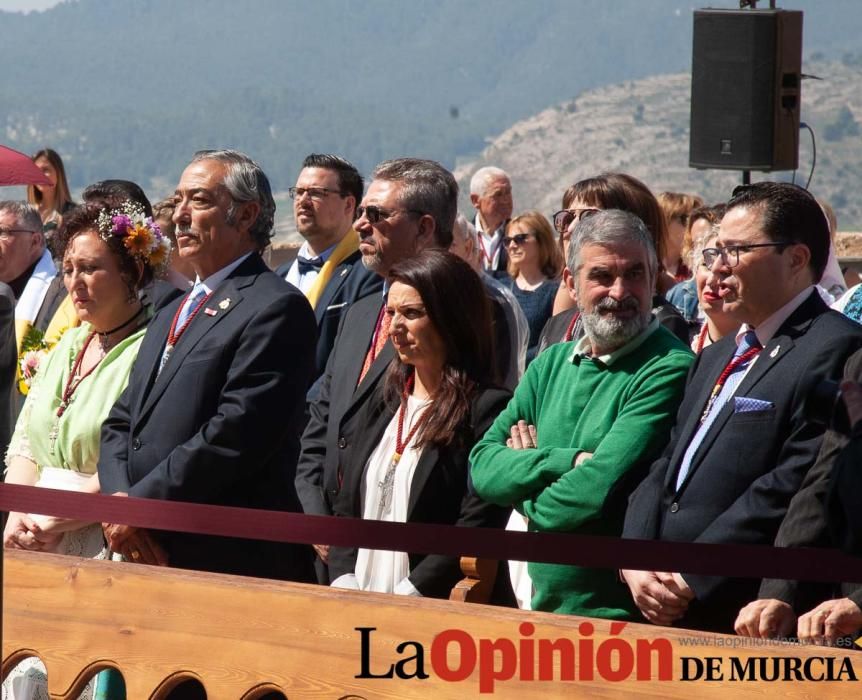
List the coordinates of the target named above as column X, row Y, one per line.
column 722, row 392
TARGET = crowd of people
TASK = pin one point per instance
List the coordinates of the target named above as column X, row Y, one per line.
column 632, row 366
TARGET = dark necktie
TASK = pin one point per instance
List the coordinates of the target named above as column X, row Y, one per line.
column 309, row 264
column 723, row 390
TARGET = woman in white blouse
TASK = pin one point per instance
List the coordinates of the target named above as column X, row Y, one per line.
column 410, row 464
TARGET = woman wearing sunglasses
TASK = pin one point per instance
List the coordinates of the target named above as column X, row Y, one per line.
column 584, row 198
column 535, row 264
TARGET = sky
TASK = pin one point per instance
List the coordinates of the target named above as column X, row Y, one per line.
column 26, row 5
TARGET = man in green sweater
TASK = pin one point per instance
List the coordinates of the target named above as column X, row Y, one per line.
column 590, row 416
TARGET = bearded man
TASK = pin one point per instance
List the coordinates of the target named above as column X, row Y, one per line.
column 589, row 416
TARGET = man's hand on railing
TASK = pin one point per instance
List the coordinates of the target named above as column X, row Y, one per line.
column 662, row 597
column 135, row 544
column 765, row 618
column 322, row 551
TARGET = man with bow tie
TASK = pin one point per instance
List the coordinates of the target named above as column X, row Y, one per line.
column 216, row 398
column 742, row 443
column 328, row 267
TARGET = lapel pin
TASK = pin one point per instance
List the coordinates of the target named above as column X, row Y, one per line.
column 210, row 312
column 775, row 351
column 224, row 303
column 345, row 271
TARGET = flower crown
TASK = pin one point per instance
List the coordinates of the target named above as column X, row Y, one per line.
column 141, row 236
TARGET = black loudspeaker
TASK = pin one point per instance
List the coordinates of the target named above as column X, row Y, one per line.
column 745, row 89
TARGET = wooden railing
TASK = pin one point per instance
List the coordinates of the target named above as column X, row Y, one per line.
column 243, row 638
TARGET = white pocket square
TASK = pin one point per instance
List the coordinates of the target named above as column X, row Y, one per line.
column 337, row 306
column 744, row 404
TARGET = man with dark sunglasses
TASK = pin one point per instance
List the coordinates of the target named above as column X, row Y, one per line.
column 410, row 206
column 742, row 443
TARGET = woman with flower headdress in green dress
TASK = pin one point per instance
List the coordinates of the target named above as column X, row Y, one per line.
column 108, row 257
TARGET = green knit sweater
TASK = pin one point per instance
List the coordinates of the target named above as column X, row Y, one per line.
column 622, row 412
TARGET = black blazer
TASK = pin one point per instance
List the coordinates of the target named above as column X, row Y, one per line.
column 8, row 366
column 53, row 298
column 438, row 493
column 333, row 414
column 749, row 465
column 350, row 281
column 211, row 428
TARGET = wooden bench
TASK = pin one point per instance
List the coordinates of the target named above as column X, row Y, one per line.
column 243, row 638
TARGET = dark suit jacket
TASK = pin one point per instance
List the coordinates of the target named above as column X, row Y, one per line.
column 53, row 298
column 749, row 465
column 333, row 413
column 163, row 293
column 8, row 366
column 807, row 521
column 438, row 493
column 500, row 270
column 843, row 511
column 350, row 281
column 211, row 428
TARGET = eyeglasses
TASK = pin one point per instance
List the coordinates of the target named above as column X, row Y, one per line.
column 730, row 254
column 6, row 234
column 519, row 238
column 376, row 214
column 564, row 218
column 316, row 193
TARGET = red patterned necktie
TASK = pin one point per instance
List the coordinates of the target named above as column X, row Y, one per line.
column 378, row 340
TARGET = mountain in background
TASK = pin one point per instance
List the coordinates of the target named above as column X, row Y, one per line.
column 642, row 128
column 131, row 89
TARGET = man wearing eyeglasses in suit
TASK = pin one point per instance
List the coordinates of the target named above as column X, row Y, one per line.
column 742, row 444
column 328, row 268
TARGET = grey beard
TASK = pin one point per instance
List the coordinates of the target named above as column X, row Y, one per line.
column 609, row 332
column 372, row 262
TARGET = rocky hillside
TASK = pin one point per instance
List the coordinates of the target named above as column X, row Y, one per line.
column 642, row 128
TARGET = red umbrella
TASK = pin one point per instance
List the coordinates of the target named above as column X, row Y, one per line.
column 17, row 169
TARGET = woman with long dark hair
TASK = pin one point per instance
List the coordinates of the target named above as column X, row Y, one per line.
column 410, row 464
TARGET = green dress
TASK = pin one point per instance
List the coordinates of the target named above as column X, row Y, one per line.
column 79, row 428
column 75, row 449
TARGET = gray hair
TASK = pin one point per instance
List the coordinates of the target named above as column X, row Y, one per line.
column 26, row 215
column 246, row 182
column 609, row 227
column 466, row 230
column 483, row 177
column 427, row 187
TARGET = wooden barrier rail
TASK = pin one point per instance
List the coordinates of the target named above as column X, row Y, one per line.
column 245, row 637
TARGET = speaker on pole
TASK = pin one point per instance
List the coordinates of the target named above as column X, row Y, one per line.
column 745, row 89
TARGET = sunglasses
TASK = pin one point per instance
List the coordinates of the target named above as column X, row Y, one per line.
column 519, row 238
column 376, row 214
column 564, row 218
